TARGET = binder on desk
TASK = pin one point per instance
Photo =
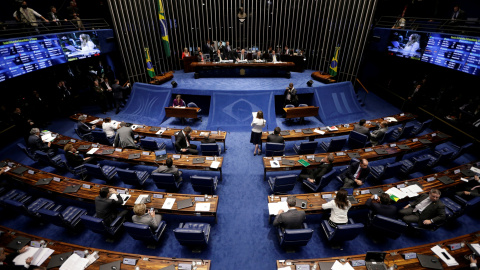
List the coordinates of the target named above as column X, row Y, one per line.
column 58, row 260
column 108, row 151
column 71, row 189
column 19, row 170
column 44, row 181
column 84, row 147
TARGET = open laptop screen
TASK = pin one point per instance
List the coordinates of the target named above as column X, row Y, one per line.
column 375, row 256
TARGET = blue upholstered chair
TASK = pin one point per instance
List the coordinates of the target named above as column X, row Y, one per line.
column 468, row 205
column 333, row 145
column 27, row 152
column 55, row 161
column 152, row 145
column 79, row 170
column 419, row 128
column 404, row 132
column 68, row 218
column 453, row 209
column 324, row 181
column 204, row 184
column 414, row 165
column 291, row 238
column 193, row 105
column 173, row 139
column 144, row 233
column 274, row 149
column 106, row 172
column 305, row 148
column 210, row 149
column 131, row 177
column 30, row 209
column 384, row 172
column 342, row 233
column 97, row 225
column 15, row 195
column 457, row 150
column 387, row 227
column 192, row 234
column 441, row 158
column 99, row 136
column 81, row 136
column 357, row 140
column 282, row 184
column 166, row 181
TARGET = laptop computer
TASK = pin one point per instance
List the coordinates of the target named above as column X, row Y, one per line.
column 19, row 170
column 350, row 197
column 72, row 189
column 288, row 162
column 111, row 266
column 284, row 132
column 424, row 141
column 184, row 203
column 301, row 203
column 404, row 146
column 160, row 155
column 375, row 260
column 446, row 180
column 84, row 147
column 307, row 131
column 44, row 181
column 134, row 156
column 59, row 259
column 18, row 243
column 381, row 151
column 354, row 155
column 467, row 172
column 63, row 142
column 429, row 261
column 108, row 151
column 170, row 267
column 198, row 160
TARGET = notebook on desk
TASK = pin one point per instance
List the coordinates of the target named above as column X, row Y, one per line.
column 429, row 261
column 284, row 132
column 59, row 259
column 288, row 162
column 111, row 266
column 18, row 243
column 160, row 155
column 108, row 151
column 184, row 204
column 84, row 147
column 19, row 170
column 134, row 156
column 198, row 160
column 375, row 260
column 44, row 181
column 307, row 131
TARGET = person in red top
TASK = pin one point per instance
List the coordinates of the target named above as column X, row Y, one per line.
column 185, row 53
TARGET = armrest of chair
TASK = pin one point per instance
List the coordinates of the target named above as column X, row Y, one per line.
column 25, row 199
column 57, row 208
column 460, row 200
column 305, row 225
column 116, row 221
column 181, row 225
column 161, row 226
column 350, row 221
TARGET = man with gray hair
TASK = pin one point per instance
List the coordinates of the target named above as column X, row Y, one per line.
column 426, row 210
column 35, row 143
column 124, row 137
column 293, row 218
column 314, row 176
column 84, row 130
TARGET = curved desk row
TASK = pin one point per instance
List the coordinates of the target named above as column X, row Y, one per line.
column 89, row 191
column 343, row 157
column 238, row 69
column 396, row 257
column 105, row 256
column 151, row 131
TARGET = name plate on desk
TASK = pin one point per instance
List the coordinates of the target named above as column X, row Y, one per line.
column 364, row 191
column 401, row 186
column 129, row 261
column 176, row 156
column 415, row 140
column 457, row 171
column 340, row 154
column 214, row 132
column 31, row 172
column 209, row 158
column 144, row 153
column 35, row 244
column 199, row 199
column 95, row 145
column 80, row 253
column 430, row 179
column 121, row 191
column 455, row 246
column 393, row 144
column 327, row 196
column 56, row 179
column 118, row 149
column 86, row 186
column 411, row 255
column 158, row 196
column 358, row 263
column 368, row 150
column 73, row 141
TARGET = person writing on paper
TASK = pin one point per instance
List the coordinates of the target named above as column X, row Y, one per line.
column 355, row 174
column 382, row 206
column 426, row 210
column 74, row 159
column 182, row 142
column 6, row 261
column 35, row 143
column 171, row 169
column 292, row 219
column 339, row 206
column 178, row 101
column 147, row 218
column 276, row 137
column 314, row 176
column 257, row 124
column 106, row 208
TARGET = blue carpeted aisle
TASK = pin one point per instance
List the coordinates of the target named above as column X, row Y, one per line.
column 242, row 238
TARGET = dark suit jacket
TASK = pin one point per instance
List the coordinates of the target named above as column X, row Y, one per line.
column 180, row 141
column 217, row 59
column 35, row 143
column 83, row 128
column 256, row 57
column 118, row 91
column 275, row 138
column 361, row 129
column 320, row 171
column 227, row 53
column 292, row 219
column 387, row 210
column 377, row 135
column 277, row 55
column 352, row 169
column 74, row 159
column 435, row 211
column 107, row 208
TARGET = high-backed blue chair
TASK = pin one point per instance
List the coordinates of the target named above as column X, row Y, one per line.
column 342, row 233
column 14, row 194
column 152, row 145
column 30, row 210
column 106, row 172
column 204, row 184
column 97, row 225
column 274, row 149
column 193, row 105
column 414, row 165
column 406, row 131
column 79, row 170
column 68, row 218
column 468, row 205
column 387, row 227
column 88, row 137
column 388, row 137
column 144, row 233
column 453, row 209
column 324, row 181
column 166, row 181
column 99, row 136
column 292, row 238
column 132, row 177
column 173, row 139
column 27, row 152
column 55, row 161
column 419, row 128
column 333, row 145
column 282, row 184
column 305, row 148
column 192, row 234
column 457, row 150
column 441, row 158
column 357, row 140
column 210, row 149
column 384, row 172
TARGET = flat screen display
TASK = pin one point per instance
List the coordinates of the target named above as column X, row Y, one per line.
column 407, row 44
column 79, row 45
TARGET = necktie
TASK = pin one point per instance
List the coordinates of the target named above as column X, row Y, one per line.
column 242, row 56
column 358, row 174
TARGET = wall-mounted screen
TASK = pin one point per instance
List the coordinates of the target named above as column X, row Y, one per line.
column 407, row 44
column 79, row 45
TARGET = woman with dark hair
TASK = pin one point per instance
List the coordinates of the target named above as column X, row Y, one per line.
column 178, row 101
column 258, row 124
column 339, row 206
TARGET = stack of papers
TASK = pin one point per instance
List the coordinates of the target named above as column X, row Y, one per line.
column 204, row 134
column 140, row 198
column 92, row 151
column 39, row 256
column 274, row 207
column 319, row 131
column 412, row 191
column 215, row 164
column 475, row 170
column 444, row 255
column 74, row 262
column 339, row 266
column 125, row 197
column 274, row 164
column 396, row 194
column 332, row 128
column 168, row 204
column 48, row 137
column 202, row 207
column 390, row 119
column 95, row 121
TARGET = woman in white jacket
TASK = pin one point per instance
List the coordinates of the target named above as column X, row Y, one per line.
column 339, row 206
column 258, row 124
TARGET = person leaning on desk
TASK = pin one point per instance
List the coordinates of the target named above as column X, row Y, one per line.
column 6, row 261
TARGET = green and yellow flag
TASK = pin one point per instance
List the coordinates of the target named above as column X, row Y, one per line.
column 163, row 28
column 150, row 70
column 334, row 63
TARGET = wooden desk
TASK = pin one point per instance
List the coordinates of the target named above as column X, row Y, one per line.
column 323, row 77
column 395, row 256
column 186, row 112
column 402, row 118
column 299, row 62
column 369, row 155
column 187, row 63
column 105, row 256
column 249, row 69
column 151, row 131
column 89, row 194
column 315, row 200
column 159, row 79
column 296, row 112
column 184, row 162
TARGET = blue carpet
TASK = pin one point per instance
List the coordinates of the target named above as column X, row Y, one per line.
column 242, row 236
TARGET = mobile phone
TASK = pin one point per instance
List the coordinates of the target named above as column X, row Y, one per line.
column 375, row 197
column 152, row 209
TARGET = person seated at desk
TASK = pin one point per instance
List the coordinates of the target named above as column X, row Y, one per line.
column 185, row 53
column 109, row 129
column 125, row 137
column 340, row 206
column 171, row 169
column 106, row 208
column 287, row 51
column 182, row 142
column 258, row 56
column 377, row 135
column 200, row 57
column 178, row 101
column 360, row 127
column 6, row 261
column 382, row 206
column 472, row 190
column 84, row 129
column 274, row 57
column 292, row 219
column 276, row 137
column 35, row 143
column 427, row 209
column 314, row 176
column 355, row 174
column 73, row 157
column 147, row 218
column 242, row 56
column 218, row 57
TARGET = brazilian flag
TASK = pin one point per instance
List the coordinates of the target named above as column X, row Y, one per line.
column 150, row 70
column 334, row 63
column 163, row 28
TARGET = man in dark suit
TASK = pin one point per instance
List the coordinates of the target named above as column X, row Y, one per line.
column 207, row 139
column 227, row 50
column 258, row 56
column 377, row 135
column 287, row 51
column 200, row 57
column 182, row 142
column 171, row 169
column 106, row 208
column 242, row 55
column 74, row 159
column 292, row 219
column 84, row 129
column 472, row 190
column 276, row 137
column 118, row 94
column 218, row 57
column 314, row 176
column 355, row 174
column 274, row 57
column 35, row 143
column 360, row 127
column 426, row 210
column 458, row 16
column 382, row 206
column 108, row 92
column 206, row 49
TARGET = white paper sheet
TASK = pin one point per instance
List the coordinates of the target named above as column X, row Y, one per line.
column 140, row 198
column 168, row 204
column 41, row 256
column 397, row 192
column 440, row 253
column 339, row 266
column 215, row 164
column 74, row 262
column 321, row 132
column 390, row 119
column 92, row 151
column 202, row 207
column 125, row 197
column 20, row 259
column 274, row 207
column 274, row 164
